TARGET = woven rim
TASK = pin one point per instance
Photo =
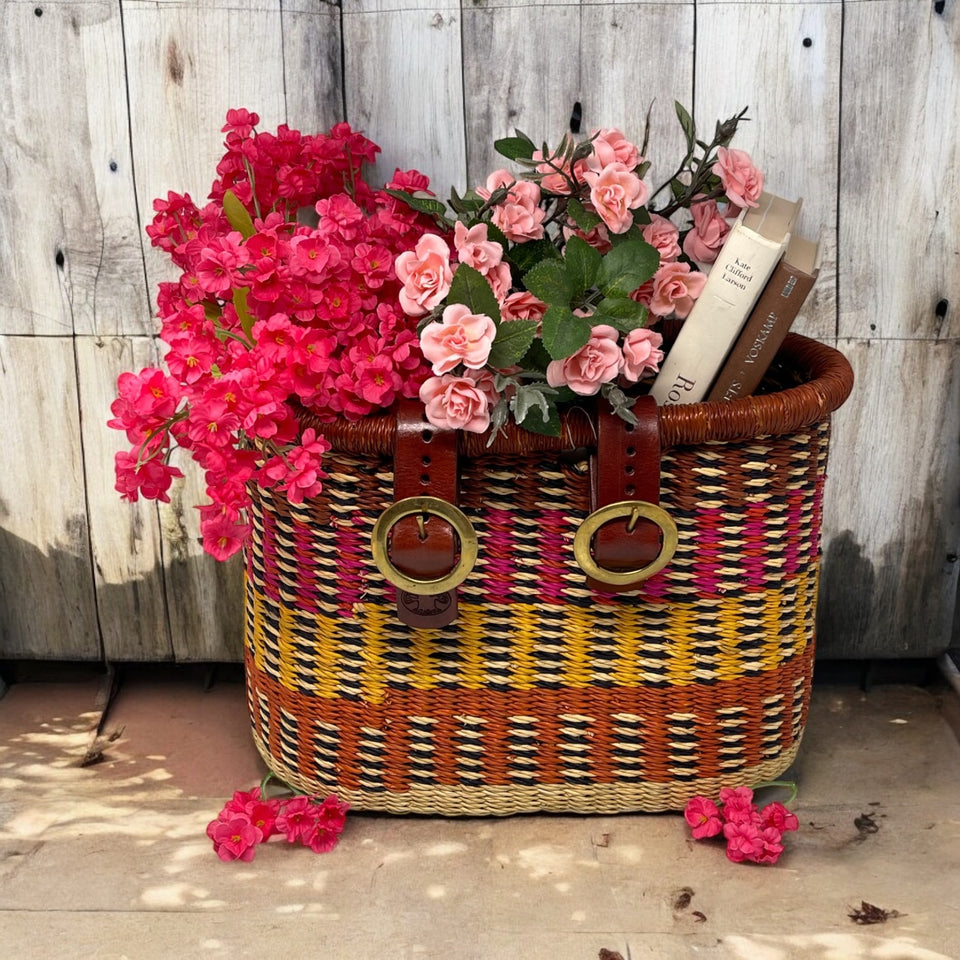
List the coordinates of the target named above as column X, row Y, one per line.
column 828, row 380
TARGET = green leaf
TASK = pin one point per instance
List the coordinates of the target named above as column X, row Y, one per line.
column 621, row 403
column 512, row 341
column 526, row 255
column 585, row 219
column 535, row 412
column 686, row 121
column 564, row 332
column 548, row 280
column 243, row 314
column 536, row 358
column 428, row 205
column 582, row 263
column 622, row 313
column 470, row 287
column 237, row 215
column 626, row 267
column 519, row 147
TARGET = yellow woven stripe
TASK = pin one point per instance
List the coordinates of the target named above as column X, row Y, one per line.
column 682, row 662
column 472, row 641
column 630, row 630
column 286, row 650
column 254, row 598
column 524, row 675
column 325, row 640
column 580, row 625
column 373, row 675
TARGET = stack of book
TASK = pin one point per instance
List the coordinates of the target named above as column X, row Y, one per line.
column 753, row 294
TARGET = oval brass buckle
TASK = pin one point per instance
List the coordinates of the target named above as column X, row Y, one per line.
column 634, row 510
column 432, row 506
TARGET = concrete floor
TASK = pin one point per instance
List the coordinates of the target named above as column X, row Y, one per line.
column 110, row 860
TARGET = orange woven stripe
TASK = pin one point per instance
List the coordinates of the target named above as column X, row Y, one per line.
column 745, row 706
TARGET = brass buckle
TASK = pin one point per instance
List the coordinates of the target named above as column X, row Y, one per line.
column 432, row 506
column 634, row 510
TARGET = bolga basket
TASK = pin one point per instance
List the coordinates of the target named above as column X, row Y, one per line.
column 545, row 694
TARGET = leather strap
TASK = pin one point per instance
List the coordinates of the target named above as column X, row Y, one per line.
column 626, row 466
column 424, row 464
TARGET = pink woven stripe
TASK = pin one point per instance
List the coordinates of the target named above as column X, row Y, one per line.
column 556, row 541
column 353, row 552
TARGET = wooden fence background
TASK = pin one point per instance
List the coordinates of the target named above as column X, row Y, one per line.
column 107, row 104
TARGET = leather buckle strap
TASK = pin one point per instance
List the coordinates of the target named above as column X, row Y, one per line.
column 424, row 546
column 626, row 467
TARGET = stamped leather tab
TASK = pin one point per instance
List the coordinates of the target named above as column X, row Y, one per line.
column 424, row 464
column 626, row 466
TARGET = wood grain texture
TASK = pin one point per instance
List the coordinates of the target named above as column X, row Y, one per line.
column 900, row 171
column 69, row 243
column 792, row 90
column 125, row 538
column 46, row 581
column 312, row 65
column 404, row 87
column 892, row 517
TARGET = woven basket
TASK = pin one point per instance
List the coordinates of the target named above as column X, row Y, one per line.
column 544, row 695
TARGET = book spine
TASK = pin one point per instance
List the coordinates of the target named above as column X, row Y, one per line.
column 763, row 333
column 732, row 288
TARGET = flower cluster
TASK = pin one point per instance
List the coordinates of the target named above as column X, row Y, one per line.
column 287, row 294
column 557, row 275
column 751, row 833
column 248, row 818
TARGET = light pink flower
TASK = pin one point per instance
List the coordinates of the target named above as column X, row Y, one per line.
column 675, row 288
column 595, row 363
column 703, row 816
column 742, row 181
column 500, row 280
column 522, row 305
column 557, row 171
column 598, row 237
column 455, row 403
column 708, row 234
column 611, row 146
column 484, row 381
column 664, row 236
column 425, row 274
column 462, row 337
column 519, row 216
column 615, row 191
column 641, row 354
column 474, row 249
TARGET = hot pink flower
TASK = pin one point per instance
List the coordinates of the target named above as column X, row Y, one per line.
column 223, row 537
column 744, row 841
column 234, row 839
column 455, row 403
column 738, row 806
column 776, row 815
column 708, row 234
column 641, row 354
column 595, row 363
column 241, row 122
column 772, row 847
column 675, row 288
column 297, row 820
column 615, row 191
column 742, row 181
column 519, row 216
column 663, row 235
column 462, row 337
column 152, row 478
column 425, row 274
column 703, row 817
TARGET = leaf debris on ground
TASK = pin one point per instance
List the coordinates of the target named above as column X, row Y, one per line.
column 868, row 913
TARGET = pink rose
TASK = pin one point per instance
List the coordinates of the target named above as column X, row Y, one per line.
column 614, row 192
column 474, row 249
column 663, row 235
column 675, row 288
column 455, row 403
column 641, row 354
column 425, row 274
column 709, row 232
column 519, row 216
column 742, row 181
column 522, row 306
column 611, row 146
column 462, row 337
column 598, row 237
column 556, row 173
column 484, row 382
column 500, row 280
column 595, row 363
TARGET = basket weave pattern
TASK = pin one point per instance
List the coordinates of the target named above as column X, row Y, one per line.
column 543, row 695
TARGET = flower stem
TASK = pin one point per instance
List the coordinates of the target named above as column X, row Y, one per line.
column 790, row 785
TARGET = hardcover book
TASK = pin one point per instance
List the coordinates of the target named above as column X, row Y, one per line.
column 771, row 318
column 747, row 259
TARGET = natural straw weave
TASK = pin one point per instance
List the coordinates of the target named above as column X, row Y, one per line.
column 543, row 695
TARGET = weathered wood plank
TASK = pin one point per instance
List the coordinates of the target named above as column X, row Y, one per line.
column 312, row 64
column 899, row 172
column 47, row 604
column 125, row 538
column 404, row 89
column 792, row 89
column 70, row 244
column 892, row 520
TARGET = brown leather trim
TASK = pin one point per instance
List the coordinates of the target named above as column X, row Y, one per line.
column 626, row 467
column 424, row 464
